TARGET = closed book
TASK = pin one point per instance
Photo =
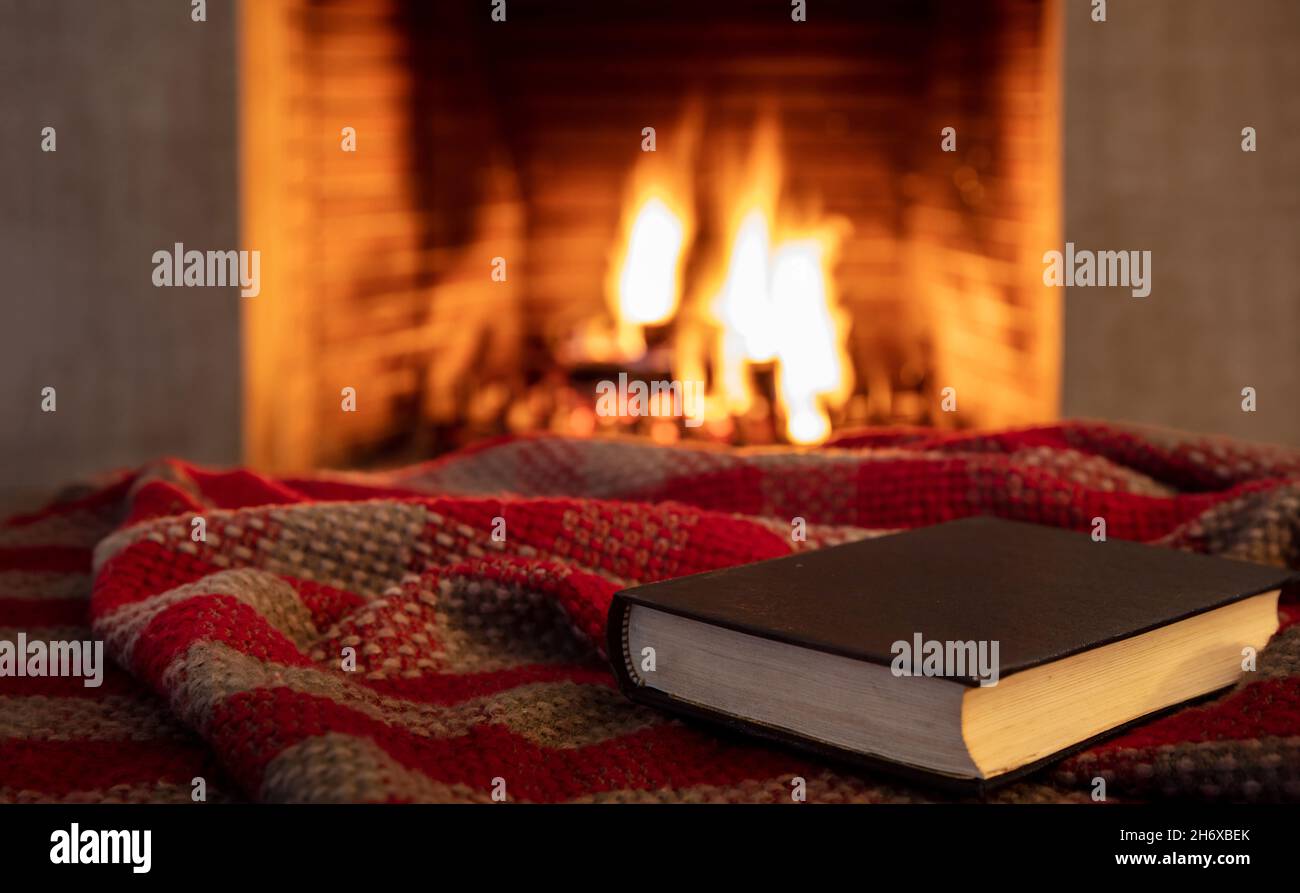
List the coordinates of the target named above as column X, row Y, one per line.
column 966, row 654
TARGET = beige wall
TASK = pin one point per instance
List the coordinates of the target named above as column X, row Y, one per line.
column 1155, row 101
column 143, row 100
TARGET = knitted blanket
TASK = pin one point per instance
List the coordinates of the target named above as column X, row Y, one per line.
column 435, row 633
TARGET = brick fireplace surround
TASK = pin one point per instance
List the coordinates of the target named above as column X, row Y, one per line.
column 478, row 140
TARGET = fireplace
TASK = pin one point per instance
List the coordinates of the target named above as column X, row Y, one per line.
column 825, row 223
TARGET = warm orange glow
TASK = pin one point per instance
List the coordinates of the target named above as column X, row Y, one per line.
column 776, row 303
column 812, row 363
column 770, row 300
column 644, row 284
column 743, row 311
column 744, row 305
column 647, row 284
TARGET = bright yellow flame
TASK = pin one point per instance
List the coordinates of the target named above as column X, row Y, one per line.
column 744, row 306
column 811, row 360
column 772, row 302
column 778, row 305
column 776, row 302
column 647, row 282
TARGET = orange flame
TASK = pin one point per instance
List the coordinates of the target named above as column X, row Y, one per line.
column 812, row 363
column 772, row 299
column 644, row 283
column 647, row 283
column 776, row 303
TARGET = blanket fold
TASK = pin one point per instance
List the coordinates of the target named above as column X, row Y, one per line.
column 434, row 633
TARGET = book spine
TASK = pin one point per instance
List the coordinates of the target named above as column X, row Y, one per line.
column 620, row 661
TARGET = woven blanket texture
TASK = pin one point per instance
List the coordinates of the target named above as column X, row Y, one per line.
column 478, row 660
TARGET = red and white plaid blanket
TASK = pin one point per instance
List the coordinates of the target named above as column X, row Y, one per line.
column 478, row 664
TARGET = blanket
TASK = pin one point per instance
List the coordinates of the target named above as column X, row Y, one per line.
column 434, row 633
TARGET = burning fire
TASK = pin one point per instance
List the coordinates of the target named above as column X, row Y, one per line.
column 647, row 286
column 645, row 277
column 812, row 363
column 772, row 301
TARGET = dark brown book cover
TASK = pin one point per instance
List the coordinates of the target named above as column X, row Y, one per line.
column 1041, row 592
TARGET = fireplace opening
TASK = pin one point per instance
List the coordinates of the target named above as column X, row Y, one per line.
column 815, row 225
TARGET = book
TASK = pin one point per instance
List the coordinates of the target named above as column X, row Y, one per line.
column 966, row 654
